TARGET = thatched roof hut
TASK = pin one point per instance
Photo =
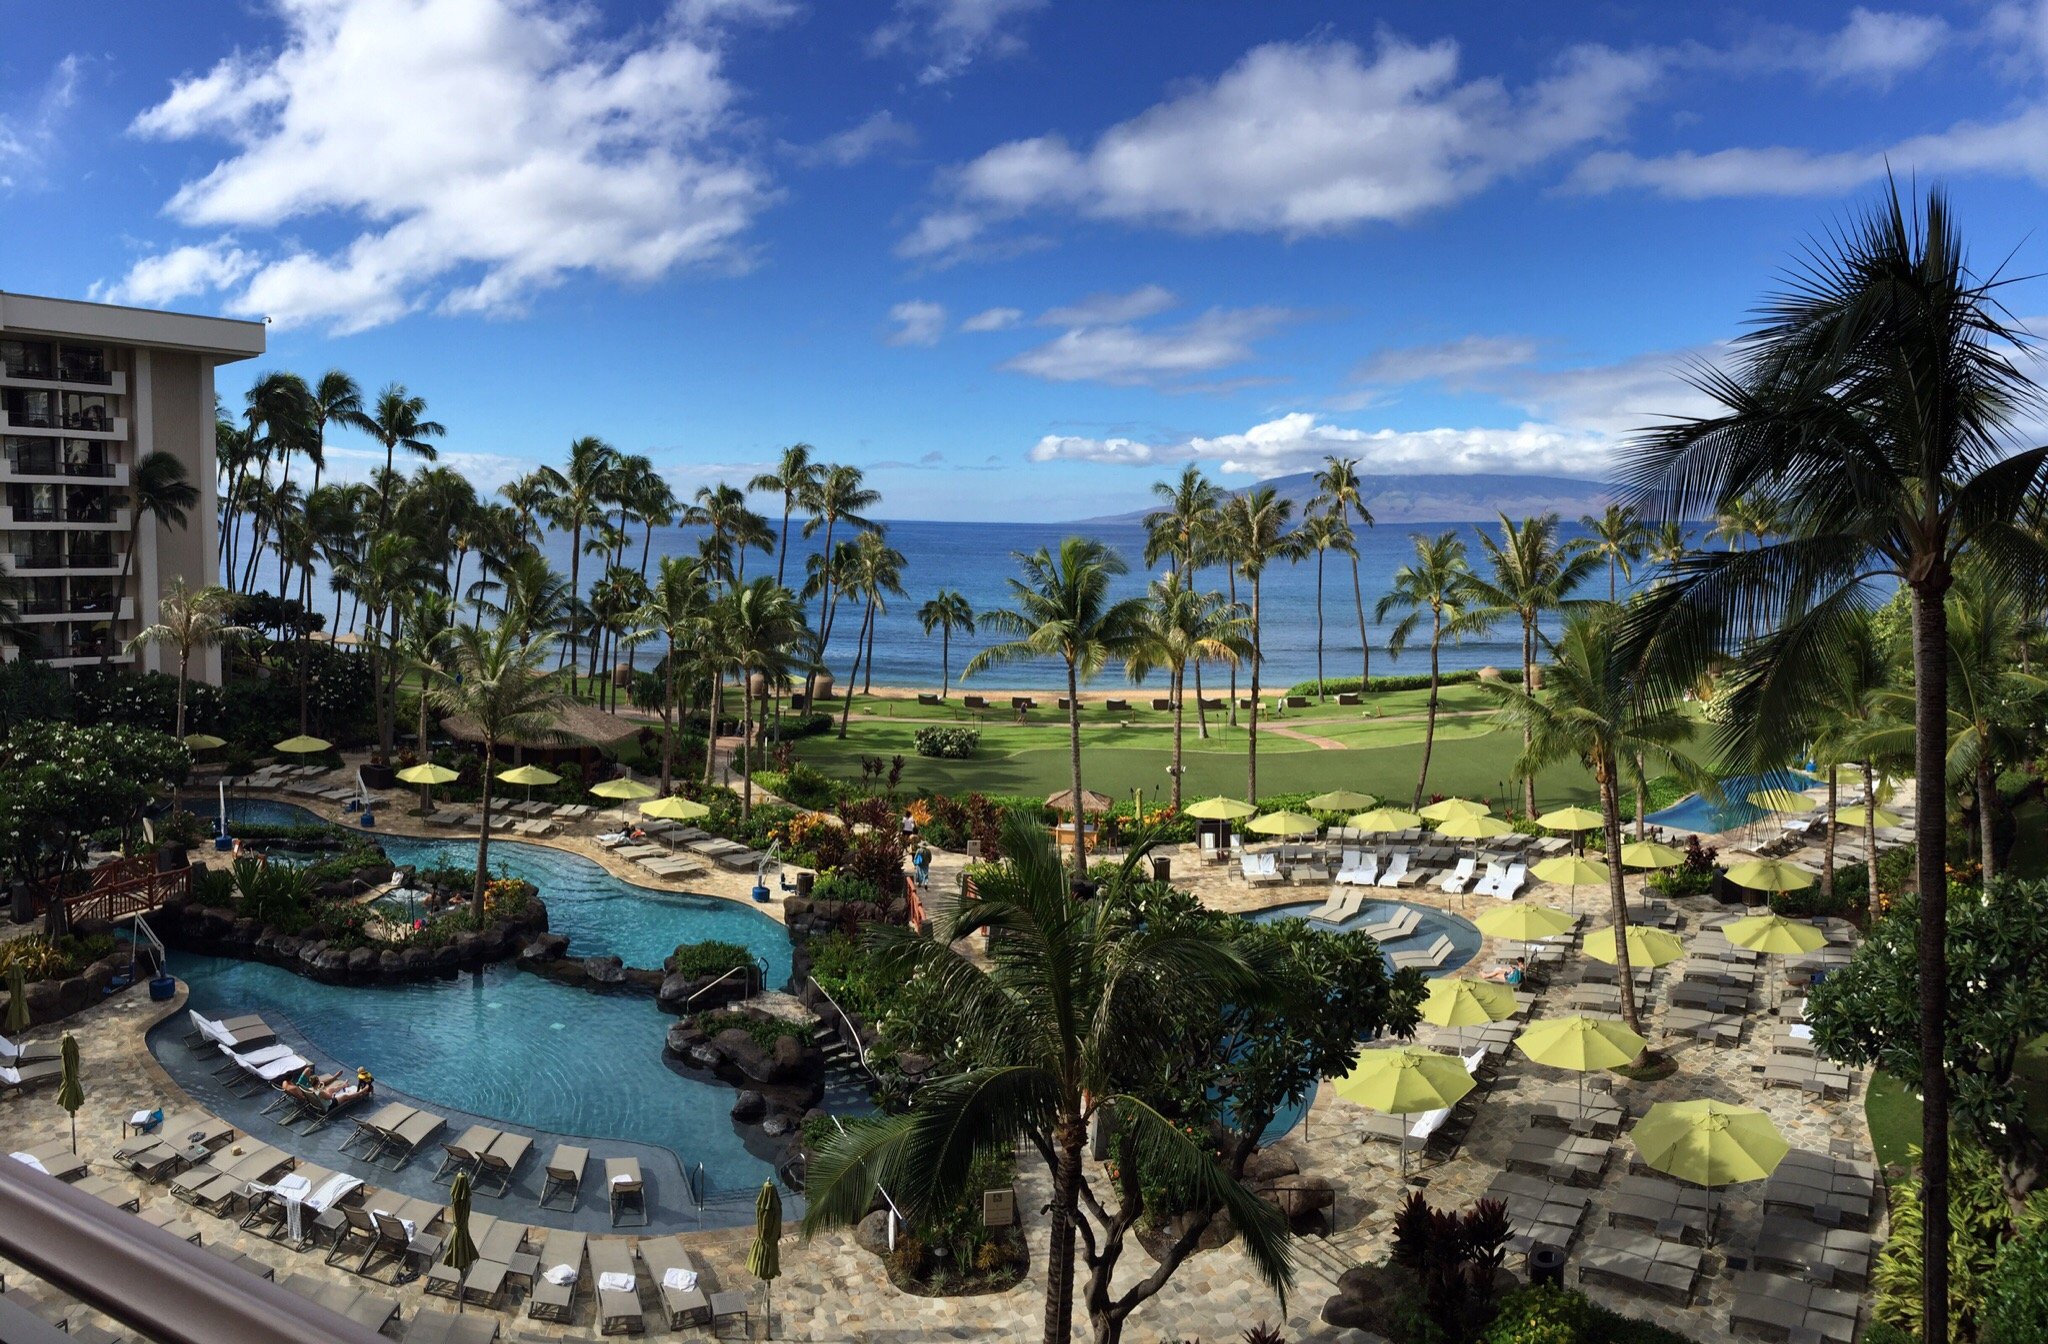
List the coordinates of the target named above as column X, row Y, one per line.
column 576, row 726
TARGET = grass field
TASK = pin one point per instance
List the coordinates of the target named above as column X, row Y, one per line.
column 1894, row 1112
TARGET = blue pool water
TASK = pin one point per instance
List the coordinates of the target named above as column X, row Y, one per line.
column 1695, row 813
column 264, row 812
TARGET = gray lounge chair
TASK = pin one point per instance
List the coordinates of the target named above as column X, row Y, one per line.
column 500, row 1161
column 439, row 1327
column 21, row 1077
column 618, row 1309
column 626, row 1186
column 407, row 1137
column 393, row 1240
column 463, row 1153
column 564, row 1172
column 549, row 1300
column 665, row 1256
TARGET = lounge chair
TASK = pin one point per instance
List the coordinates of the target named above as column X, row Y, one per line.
column 321, row 1111
column 294, row 1202
column 564, row 1172
column 216, row 1184
column 1512, row 882
column 1327, row 911
column 34, row 1052
column 1455, row 881
column 683, row 1299
column 1397, row 870
column 372, row 1311
column 626, row 1186
column 400, row 1238
column 166, row 1218
column 54, row 1158
column 500, row 1160
column 1359, row 869
column 618, row 1287
column 1429, row 957
column 463, row 1153
column 408, row 1137
column 19, row 1078
column 379, row 1123
column 176, row 1141
column 1490, row 884
column 235, row 1033
column 555, row 1287
column 439, row 1327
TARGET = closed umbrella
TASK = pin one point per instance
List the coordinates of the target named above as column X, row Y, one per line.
column 1459, row 1002
column 1646, row 947
column 1447, row 808
column 17, row 1000
column 1709, row 1143
column 460, row 1253
column 764, row 1257
column 1341, row 800
column 1524, row 923
column 1571, row 819
column 1284, row 823
column 426, row 774
column 1220, row 808
column 1770, row 875
column 1386, row 819
column 70, row 1091
column 1569, row 870
column 1473, row 826
column 1650, row 854
column 1581, row 1044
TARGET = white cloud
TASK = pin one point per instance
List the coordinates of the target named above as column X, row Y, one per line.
column 1125, row 355
column 950, row 35
column 1878, row 46
column 993, row 319
column 26, row 136
column 1300, row 440
column 1102, row 309
column 1303, row 138
column 481, row 149
column 858, row 143
column 919, row 322
column 1449, row 361
column 169, row 276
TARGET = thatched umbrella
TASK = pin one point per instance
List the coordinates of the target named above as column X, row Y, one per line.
column 1091, row 801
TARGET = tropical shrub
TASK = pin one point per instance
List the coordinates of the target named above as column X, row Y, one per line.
column 1694, row 877
column 947, row 742
column 708, row 958
column 805, row 786
column 790, row 728
column 844, row 886
column 764, row 1031
column 875, row 858
column 2016, row 1300
column 850, row 972
column 1980, row 1219
column 1546, row 1315
column 43, row 958
column 1455, row 1259
column 1418, row 681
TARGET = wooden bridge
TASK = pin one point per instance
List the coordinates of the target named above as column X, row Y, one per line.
column 118, row 890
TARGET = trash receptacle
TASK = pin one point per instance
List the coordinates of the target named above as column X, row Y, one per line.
column 805, row 882
column 1162, row 868
column 1546, row 1265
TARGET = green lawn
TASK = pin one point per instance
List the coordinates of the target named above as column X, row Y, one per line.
column 1894, row 1112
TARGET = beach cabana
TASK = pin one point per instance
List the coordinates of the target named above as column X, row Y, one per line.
column 578, row 733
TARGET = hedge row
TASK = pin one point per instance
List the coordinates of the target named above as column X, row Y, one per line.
column 1415, row 682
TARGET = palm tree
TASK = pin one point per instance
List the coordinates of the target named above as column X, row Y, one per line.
column 796, row 478
column 1255, row 528
column 1533, row 573
column 1066, row 995
column 528, row 498
column 840, row 496
column 421, row 648
column 1062, row 609
column 1747, row 520
column 503, row 687
column 190, row 619
column 762, row 626
column 677, row 608
column 398, row 419
column 1184, row 530
column 1596, row 709
column 393, row 569
column 1339, row 491
column 946, row 613
column 1848, row 715
column 1875, row 404
column 1618, row 537
column 576, row 503
column 1182, row 626
column 734, row 530
column 1439, row 583
column 159, row 490
column 1323, row 533
column 874, row 572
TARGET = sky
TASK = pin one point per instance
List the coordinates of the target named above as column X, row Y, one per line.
column 1015, row 258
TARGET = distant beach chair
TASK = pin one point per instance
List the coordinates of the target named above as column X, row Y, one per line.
column 974, row 702
column 1117, row 706
column 1347, row 698
column 1163, row 703
column 926, row 699
column 1397, row 870
column 1359, row 868
column 1460, row 877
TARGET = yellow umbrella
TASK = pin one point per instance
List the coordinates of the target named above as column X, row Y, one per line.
column 1524, row 923
column 1385, row 819
column 1284, row 823
column 1455, row 807
column 1650, row 854
column 1852, row 816
column 1460, row 1002
column 1477, row 826
column 426, row 774
column 1646, row 947
column 1770, row 875
column 302, row 745
column 1581, row 1044
column 1341, row 800
column 1709, row 1143
column 1404, row 1081
column 1219, row 808
column 623, row 789
column 1782, row 800
column 204, row 741
column 1571, row 819
column 1569, row 870
column 674, row 809
column 1774, row 934
column 529, row 775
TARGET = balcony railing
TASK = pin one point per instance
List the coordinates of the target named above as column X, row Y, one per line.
column 30, row 465
column 61, row 373
column 47, row 560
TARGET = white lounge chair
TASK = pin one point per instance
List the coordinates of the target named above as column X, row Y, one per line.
column 1360, row 868
column 1511, row 885
column 1397, row 869
column 1460, row 877
column 1490, row 884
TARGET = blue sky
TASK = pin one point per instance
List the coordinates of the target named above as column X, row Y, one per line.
column 1016, row 258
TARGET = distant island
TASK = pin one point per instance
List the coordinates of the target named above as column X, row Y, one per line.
column 1444, row 498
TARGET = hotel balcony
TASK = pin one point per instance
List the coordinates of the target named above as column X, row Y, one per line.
column 97, row 520
column 65, row 426
column 63, row 379
column 67, row 609
column 52, row 470
column 79, row 562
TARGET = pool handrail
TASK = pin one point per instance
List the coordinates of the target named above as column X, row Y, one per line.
column 860, row 1049
column 752, row 969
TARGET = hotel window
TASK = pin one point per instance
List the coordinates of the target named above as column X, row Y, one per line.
column 83, row 364
column 88, row 410
column 28, row 407
column 33, row 503
column 86, row 457
column 25, row 359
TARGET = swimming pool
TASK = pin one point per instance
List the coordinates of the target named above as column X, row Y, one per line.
column 1695, row 813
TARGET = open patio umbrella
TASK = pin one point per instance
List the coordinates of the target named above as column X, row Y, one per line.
column 1461, row 1002
column 204, row 741
column 764, row 1257
column 623, row 789
column 529, row 775
column 1775, row 936
column 674, row 808
column 1524, row 923
column 1709, row 1143
column 1473, row 826
column 1646, row 947
column 1447, row 808
column 426, row 774
column 1782, row 800
column 460, row 1252
column 301, row 745
column 1405, row 1081
column 1571, row 871
column 70, row 1091
column 17, row 1000
column 1868, row 816
column 1581, row 1044
column 1650, row 854
column 1219, row 808
column 1341, row 800
column 1571, row 819
column 1770, row 875
column 1385, row 819
column 1284, row 823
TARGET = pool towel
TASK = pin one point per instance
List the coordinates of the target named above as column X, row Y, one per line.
column 292, row 1190
column 561, row 1275
column 681, row 1280
column 405, row 1223
column 616, row 1283
column 622, row 1180
column 30, row 1159
column 144, row 1121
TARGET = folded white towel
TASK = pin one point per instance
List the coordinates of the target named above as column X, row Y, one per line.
column 1802, row 1032
column 682, row 1280
column 624, row 1180
column 561, row 1275
column 31, row 1160
column 10, row 1075
column 142, row 1119
column 616, row 1283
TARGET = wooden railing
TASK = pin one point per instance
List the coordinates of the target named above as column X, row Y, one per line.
column 119, row 889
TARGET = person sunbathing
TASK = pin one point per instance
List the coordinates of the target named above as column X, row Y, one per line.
column 1509, row 975
column 357, row 1085
column 308, row 1085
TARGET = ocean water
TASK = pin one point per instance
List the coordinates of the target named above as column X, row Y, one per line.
column 978, row 559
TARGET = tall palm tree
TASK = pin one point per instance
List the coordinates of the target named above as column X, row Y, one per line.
column 421, row 649
column 398, row 419
column 159, row 490
column 1747, row 521
column 840, row 496
column 394, row 568
column 1438, row 584
column 528, row 498
column 1181, row 626
column 796, row 478
column 874, row 573
column 763, row 629
column 1619, row 538
column 190, row 620
column 1323, row 533
column 1875, row 403
column 1596, row 709
column 503, row 687
column 946, row 613
column 1533, row 572
column 733, row 530
column 1847, row 716
column 1183, row 530
column 1340, row 491
column 576, row 503
column 1067, row 995
column 1255, row 527
column 1061, row 608
column 677, row 609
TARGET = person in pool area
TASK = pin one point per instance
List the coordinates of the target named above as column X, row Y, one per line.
column 1509, row 975
column 307, row 1084
column 362, row 1083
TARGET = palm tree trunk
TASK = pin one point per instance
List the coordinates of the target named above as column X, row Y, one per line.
column 1179, row 716
column 867, row 686
column 746, row 737
column 1321, row 555
column 1930, row 716
column 853, row 674
column 1080, row 833
column 1612, row 591
column 575, row 596
column 1528, row 687
column 184, row 664
column 1201, row 710
column 717, row 710
column 1436, row 637
column 1068, row 1141
column 1251, row 755
column 483, row 841
column 1230, row 573
column 668, row 709
column 1870, row 894
column 1827, row 848
column 1987, row 785
column 945, row 658
column 1364, row 639
column 782, row 551
column 127, row 572
column 1610, row 817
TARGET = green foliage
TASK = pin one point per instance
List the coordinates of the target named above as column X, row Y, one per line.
column 844, row 886
column 802, row 786
column 1694, row 877
column 791, row 727
column 279, row 895
column 709, row 958
column 1980, row 1219
column 2016, row 1299
column 764, row 1031
column 30, row 690
column 851, row 973
column 59, row 783
column 947, row 742
column 43, row 958
column 1415, row 682
column 1894, row 868
column 1545, row 1315
column 1455, row 1258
